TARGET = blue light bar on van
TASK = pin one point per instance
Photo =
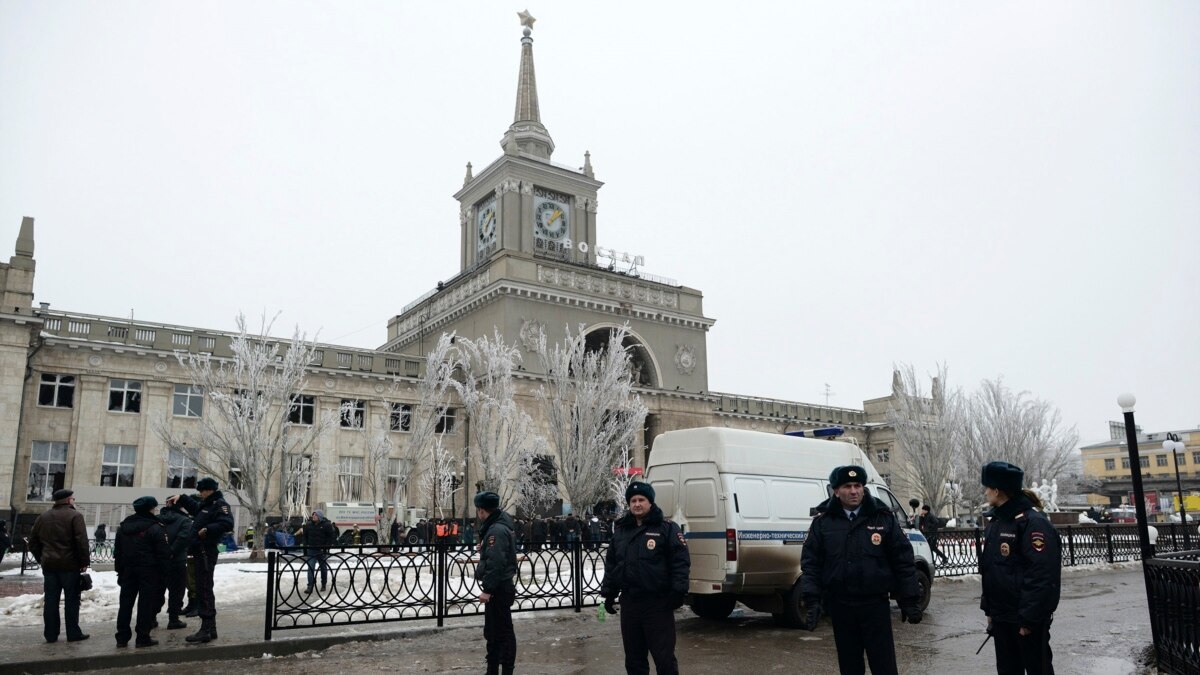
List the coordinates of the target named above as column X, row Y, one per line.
column 827, row 432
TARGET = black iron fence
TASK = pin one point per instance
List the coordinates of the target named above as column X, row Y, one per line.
column 1174, row 582
column 344, row 585
column 1081, row 545
column 101, row 552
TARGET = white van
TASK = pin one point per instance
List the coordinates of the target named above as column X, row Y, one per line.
column 744, row 500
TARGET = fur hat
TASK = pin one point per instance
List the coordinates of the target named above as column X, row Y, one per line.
column 851, row 473
column 145, row 504
column 637, row 487
column 61, row 495
column 488, row 501
column 1002, row 476
column 206, row 483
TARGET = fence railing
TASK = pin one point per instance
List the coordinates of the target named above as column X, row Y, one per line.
column 1081, row 545
column 345, row 585
column 1174, row 582
column 101, row 552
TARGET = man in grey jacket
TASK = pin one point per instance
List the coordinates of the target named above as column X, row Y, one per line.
column 495, row 572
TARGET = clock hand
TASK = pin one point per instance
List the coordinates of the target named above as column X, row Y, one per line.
column 556, row 216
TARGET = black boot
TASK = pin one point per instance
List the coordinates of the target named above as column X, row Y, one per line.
column 506, row 669
column 175, row 623
column 493, row 668
column 202, row 635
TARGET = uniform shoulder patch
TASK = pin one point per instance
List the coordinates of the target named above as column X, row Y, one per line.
column 682, row 539
column 491, row 540
column 1037, row 540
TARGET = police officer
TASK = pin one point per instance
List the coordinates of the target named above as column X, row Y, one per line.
column 141, row 555
column 1021, row 568
column 212, row 520
column 856, row 554
column 647, row 565
column 494, row 574
column 178, row 525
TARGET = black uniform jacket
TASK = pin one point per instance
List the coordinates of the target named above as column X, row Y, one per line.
column 497, row 553
column 317, row 536
column 1021, row 565
column 179, row 531
column 869, row 556
column 211, row 513
column 649, row 559
column 141, row 545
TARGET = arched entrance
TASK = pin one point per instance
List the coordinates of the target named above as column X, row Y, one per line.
column 645, row 370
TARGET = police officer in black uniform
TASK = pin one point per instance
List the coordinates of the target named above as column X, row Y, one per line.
column 495, row 572
column 141, row 556
column 212, row 520
column 647, row 565
column 856, row 554
column 1021, row 566
column 179, row 536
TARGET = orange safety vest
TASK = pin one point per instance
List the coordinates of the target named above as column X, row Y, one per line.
column 441, row 530
column 454, row 528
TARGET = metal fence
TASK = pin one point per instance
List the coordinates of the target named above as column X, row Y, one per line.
column 1174, row 581
column 101, row 553
column 1081, row 545
column 345, row 585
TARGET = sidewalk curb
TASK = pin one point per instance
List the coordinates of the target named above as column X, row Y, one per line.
column 129, row 657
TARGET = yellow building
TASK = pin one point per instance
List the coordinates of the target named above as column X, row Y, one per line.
column 1108, row 462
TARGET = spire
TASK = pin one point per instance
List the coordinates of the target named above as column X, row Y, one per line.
column 526, row 130
column 25, row 238
column 469, row 177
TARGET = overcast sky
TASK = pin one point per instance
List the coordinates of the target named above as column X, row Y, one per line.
column 1010, row 188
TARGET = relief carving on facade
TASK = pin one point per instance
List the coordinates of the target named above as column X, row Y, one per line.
column 526, row 188
column 531, row 329
column 449, row 299
column 595, row 283
column 685, row 359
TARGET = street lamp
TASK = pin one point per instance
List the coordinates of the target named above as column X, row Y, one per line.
column 456, row 481
column 1176, row 447
column 1127, row 401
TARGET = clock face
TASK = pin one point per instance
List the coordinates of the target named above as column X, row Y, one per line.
column 486, row 222
column 550, row 219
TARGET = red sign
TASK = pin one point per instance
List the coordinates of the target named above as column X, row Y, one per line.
column 631, row 471
column 1151, row 501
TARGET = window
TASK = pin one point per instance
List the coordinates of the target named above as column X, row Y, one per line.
column 125, row 396
column 246, row 403
column 47, row 470
column 303, row 410
column 235, row 478
column 353, row 412
column 350, row 475
column 1181, row 457
column 1160, row 460
column 117, row 469
column 396, row 468
column 401, row 417
column 297, row 481
column 1144, row 462
column 1110, row 464
column 883, row 455
column 445, row 423
column 57, row 391
column 189, row 401
column 1196, row 457
column 181, row 468
column 887, row 478
column 1124, row 462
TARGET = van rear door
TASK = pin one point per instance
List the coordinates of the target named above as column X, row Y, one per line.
column 703, row 521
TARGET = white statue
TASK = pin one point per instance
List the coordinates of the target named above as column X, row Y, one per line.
column 1052, row 502
column 1037, row 491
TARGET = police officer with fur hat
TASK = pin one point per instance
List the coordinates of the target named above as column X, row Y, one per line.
column 141, row 556
column 855, row 555
column 647, row 566
column 1021, row 566
column 494, row 574
column 212, row 519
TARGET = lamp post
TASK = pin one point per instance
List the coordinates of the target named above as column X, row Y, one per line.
column 1176, row 447
column 456, row 481
column 1127, row 401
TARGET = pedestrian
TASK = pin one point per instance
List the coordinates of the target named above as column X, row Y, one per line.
column 646, row 570
column 59, row 543
column 857, row 553
column 101, row 538
column 571, row 530
column 5, row 539
column 595, row 533
column 494, row 574
column 319, row 535
column 1021, row 567
column 537, row 534
column 929, row 525
column 212, row 521
column 141, row 556
column 394, row 535
column 178, row 525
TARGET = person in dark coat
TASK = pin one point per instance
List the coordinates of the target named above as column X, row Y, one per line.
column 141, row 556
column 537, row 534
column 319, row 534
column 1021, row 567
column 855, row 555
column 646, row 568
column 554, row 528
column 178, row 525
column 59, row 543
column 394, row 535
column 101, row 537
column 929, row 525
column 213, row 519
column 495, row 572
column 595, row 533
column 5, row 539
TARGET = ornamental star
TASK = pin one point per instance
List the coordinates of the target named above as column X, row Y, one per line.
column 526, row 19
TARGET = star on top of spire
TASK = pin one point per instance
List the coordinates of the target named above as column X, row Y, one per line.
column 526, row 18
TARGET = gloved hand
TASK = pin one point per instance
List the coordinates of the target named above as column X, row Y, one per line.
column 813, row 604
column 676, row 599
column 610, row 604
column 911, row 613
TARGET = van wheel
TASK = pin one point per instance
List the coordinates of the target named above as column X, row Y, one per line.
column 926, row 587
column 794, row 611
column 412, row 539
column 368, row 538
column 713, row 607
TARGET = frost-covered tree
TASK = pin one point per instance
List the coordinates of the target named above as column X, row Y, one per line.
column 591, row 411
column 244, row 438
column 502, row 441
column 1017, row 427
column 928, row 424
column 425, row 440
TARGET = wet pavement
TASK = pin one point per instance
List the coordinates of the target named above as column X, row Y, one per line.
column 1100, row 627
